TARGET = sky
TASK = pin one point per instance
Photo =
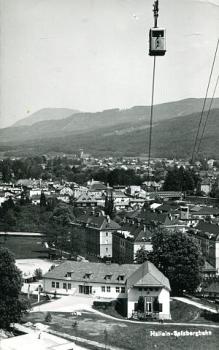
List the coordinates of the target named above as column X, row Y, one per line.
column 92, row 55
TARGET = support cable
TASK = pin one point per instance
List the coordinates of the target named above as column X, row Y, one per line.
column 151, row 117
column 203, row 108
column 206, row 120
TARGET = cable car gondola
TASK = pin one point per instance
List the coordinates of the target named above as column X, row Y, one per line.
column 157, row 42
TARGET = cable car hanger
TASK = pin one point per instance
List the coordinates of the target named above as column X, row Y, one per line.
column 157, row 36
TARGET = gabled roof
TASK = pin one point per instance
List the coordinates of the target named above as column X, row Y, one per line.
column 97, row 187
column 97, row 271
column 99, row 222
column 144, row 236
column 208, row 267
column 85, row 198
column 206, row 211
column 110, row 225
column 213, row 288
column 148, row 275
column 206, row 227
column 135, row 275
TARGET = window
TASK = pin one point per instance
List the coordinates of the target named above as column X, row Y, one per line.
column 121, row 278
column 103, row 288
column 122, row 289
column 140, row 289
column 108, row 277
column 108, row 289
column 57, row 284
column 106, row 234
column 68, row 274
column 64, row 285
column 117, row 289
column 69, row 285
column 53, row 284
column 107, row 250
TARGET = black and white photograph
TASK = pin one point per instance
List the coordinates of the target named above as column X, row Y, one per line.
column 109, row 174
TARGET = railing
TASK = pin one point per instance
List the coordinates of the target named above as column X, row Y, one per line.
column 150, row 316
column 138, row 315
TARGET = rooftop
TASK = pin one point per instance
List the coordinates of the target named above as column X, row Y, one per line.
column 146, row 274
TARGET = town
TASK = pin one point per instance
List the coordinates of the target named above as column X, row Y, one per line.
column 109, row 175
column 88, row 228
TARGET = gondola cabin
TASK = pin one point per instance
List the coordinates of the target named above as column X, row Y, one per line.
column 157, row 42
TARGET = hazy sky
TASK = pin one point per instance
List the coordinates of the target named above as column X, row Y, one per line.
column 93, row 54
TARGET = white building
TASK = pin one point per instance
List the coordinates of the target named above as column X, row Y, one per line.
column 143, row 288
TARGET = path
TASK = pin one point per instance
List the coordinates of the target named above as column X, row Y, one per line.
column 78, row 303
column 195, row 303
column 69, row 337
column 68, row 303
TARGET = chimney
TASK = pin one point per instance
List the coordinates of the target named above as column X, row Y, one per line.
column 108, row 219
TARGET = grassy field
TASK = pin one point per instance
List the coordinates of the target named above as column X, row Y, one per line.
column 180, row 312
column 126, row 335
column 24, row 247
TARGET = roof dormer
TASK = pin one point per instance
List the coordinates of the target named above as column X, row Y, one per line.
column 121, row 277
column 108, row 277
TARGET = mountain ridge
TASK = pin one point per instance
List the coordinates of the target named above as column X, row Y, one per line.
column 83, row 122
column 172, row 135
column 45, row 114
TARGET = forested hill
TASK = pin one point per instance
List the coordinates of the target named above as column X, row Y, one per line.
column 171, row 137
column 46, row 114
column 80, row 123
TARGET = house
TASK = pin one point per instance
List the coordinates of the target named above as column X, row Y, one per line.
column 143, row 289
column 97, row 188
column 207, row 236
column 140, row 235
column 96, row 234
column 208, row 271
column 143, row 240
column 136, row 203
column 212, row 290
column 167, row 195
column 86, row 200
column 206, row 186
column 120, row 200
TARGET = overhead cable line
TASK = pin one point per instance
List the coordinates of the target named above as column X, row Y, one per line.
column 206, row 120
column 205, row 99
column 151, row 118
column 157, row 47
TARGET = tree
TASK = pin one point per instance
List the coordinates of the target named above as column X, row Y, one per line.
column 11, row 306
column 109, row 205
column 43, row 200
column 179, row 257
column 6, row 170
column 181, row 180
column 141, row 255
column 38, row 274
